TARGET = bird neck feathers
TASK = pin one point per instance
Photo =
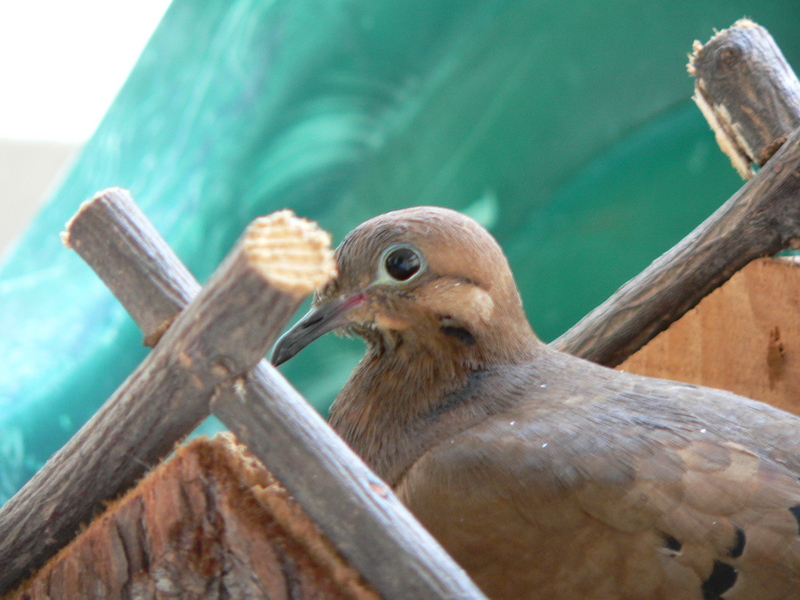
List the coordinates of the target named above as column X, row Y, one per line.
column 410, row 390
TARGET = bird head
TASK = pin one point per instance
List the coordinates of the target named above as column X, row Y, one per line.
column 418, row 277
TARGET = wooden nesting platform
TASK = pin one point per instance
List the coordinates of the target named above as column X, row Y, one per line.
column 743, row 337
column 210, row 522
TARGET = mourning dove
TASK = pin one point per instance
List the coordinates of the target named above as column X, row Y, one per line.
column 544, row 475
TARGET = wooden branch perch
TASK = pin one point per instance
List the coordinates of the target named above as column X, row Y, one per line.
column 349, row 503
column 357, row 511
column 755, row 98
column 224, row 332
column 748, row 93
column 761, row 219
column 111, row 241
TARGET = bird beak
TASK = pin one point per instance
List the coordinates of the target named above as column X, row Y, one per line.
column 316, row 322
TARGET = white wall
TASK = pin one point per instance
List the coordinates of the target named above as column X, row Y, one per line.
column 28, row 172
column 57, row 82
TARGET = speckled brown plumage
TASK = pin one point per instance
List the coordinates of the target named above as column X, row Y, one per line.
column 546, row 476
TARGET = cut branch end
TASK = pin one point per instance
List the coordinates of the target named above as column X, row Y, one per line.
column 293, row 254
column 747, row 92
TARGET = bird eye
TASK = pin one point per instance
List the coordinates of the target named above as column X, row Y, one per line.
column 402, row 263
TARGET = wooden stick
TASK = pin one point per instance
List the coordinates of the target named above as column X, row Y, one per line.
column 751, row 97
column 357, row 511
column 748, row 93
column 224, row 332
column 112, row 235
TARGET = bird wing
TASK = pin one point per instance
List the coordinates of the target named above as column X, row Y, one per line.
column 628, row 492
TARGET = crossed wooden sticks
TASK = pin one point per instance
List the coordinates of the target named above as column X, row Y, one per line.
column 210, row 342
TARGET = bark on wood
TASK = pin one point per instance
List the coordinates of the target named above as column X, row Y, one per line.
column 351, row 505
column 354, row 508
column 111, row 241
column 762, row 218
column 748, row 93
column 743, row 337
column 209, row 524
column 222, row 334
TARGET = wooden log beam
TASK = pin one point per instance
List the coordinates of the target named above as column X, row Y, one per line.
column 226, row 330
column 762, row 218
column 748, row 93
column 132, row 259
column 755, row 96
column 352, row 506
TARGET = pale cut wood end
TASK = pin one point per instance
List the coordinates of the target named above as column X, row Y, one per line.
column 66, row 235
column 719, row 120
column 293, row 254
column 729, row 139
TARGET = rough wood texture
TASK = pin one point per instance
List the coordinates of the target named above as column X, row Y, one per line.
column 352, row 506
column 748, row 93
column 762, row 218
column 224, row 332
column 743, row 337
column 110, row 233
column 211, row 523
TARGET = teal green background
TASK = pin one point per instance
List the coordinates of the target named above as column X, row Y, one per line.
column 565, row 127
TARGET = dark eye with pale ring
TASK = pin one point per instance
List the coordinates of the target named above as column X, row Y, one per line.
column 402, row 263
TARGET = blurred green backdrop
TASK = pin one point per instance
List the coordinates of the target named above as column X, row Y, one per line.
column 565, row 127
